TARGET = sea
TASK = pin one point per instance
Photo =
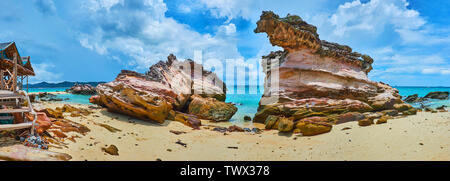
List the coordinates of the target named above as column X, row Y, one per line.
column 246, row 98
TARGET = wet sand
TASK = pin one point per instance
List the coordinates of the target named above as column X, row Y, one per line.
column 425, row 136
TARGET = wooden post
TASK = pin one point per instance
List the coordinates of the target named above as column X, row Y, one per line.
column 2, row 72
column 27, row 83
column 14, row 88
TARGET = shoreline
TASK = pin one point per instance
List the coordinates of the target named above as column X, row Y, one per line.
column 420, row 137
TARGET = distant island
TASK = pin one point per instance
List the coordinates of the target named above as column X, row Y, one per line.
column 61, row 84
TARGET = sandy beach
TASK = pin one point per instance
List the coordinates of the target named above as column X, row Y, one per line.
column 424, row 136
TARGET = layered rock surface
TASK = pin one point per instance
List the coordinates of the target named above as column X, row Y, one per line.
column 171, row 89
column 313, row 77
column 83, row 89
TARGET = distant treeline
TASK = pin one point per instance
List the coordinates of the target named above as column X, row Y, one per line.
column 61, row 84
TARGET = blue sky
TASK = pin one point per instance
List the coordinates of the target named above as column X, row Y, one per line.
column 92, row 40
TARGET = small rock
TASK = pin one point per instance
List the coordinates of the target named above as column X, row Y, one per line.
column 247, row 118
column 112, row 150
column 382, row 120
column 365, row 122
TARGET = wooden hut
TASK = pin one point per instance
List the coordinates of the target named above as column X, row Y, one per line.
column 13, row 70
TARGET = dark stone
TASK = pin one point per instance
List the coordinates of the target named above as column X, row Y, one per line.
column 437, row 95
column 411, row 98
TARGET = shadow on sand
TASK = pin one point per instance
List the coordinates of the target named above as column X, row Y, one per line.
column 129, row 119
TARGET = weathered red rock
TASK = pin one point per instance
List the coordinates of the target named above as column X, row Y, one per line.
column 95, row 99
column 168, row 86
column 53, row 113
column 313, row 77
column 348, row 117
column 42, row 121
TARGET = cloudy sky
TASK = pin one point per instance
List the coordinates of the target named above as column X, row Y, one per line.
column 92, row 40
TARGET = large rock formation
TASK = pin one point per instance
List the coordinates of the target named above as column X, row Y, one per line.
column 313, row 77
column 83, row 89
column 167, row 91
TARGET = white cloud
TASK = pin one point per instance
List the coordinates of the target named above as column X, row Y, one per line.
column 374, row 15
column 229, row 29
column 45, row 72
column 146, row 35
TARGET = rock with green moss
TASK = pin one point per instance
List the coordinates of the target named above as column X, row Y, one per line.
column 285, row 124
column 211, row 109
column 261, row 116
column 270, row 121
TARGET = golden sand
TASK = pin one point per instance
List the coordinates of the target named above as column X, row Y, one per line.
column 425, row 136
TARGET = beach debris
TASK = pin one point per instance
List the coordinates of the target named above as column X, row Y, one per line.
column 247, row 130
column 181, row 143
column 111, row 149
column 177, row 132
column 233, row 147
column 35, row 141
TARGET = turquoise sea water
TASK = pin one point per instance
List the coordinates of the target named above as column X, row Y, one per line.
column 422, row 91
column 79, row 99
column 247, row 98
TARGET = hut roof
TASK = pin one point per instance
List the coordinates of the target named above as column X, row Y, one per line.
column 7, row 51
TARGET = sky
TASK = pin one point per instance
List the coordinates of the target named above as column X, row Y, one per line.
column 92, row 40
